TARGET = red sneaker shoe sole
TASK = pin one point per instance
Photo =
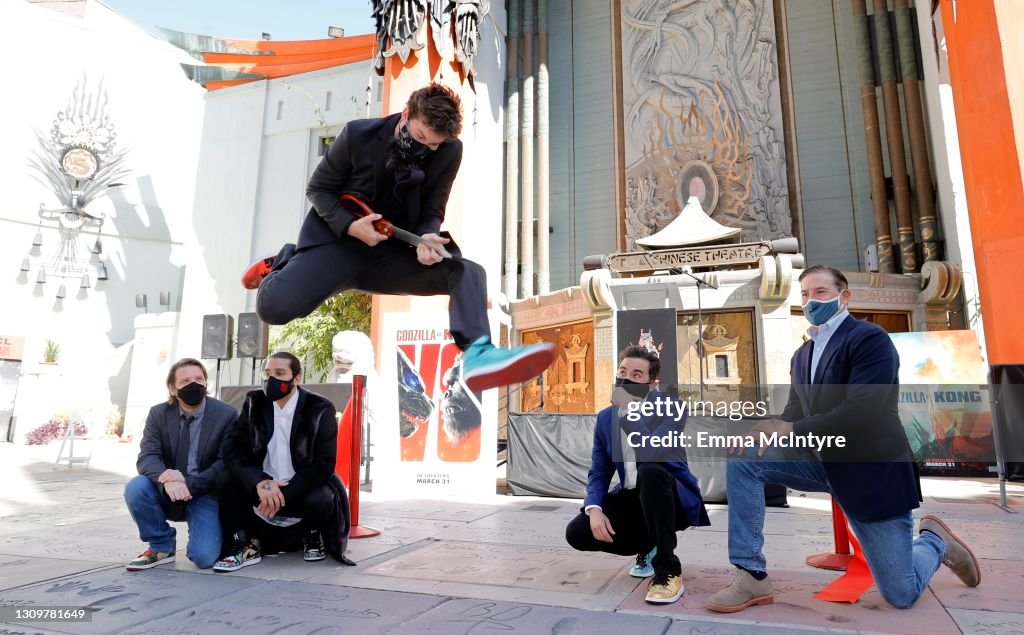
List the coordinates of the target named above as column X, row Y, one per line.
column 255, row 274
column 521, row 370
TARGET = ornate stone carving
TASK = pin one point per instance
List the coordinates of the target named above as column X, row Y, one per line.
column 399, row 29
column 701, row 84
column 400, row 22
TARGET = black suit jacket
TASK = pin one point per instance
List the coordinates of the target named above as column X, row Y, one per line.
column 355, row 164
column 314, row 442
column 855, row 393
column 159, row 449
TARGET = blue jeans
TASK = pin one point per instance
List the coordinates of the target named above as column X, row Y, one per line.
column 148, row 507
column 900, row 564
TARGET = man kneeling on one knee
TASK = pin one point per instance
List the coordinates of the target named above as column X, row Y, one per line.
column 845, row 383
column 657, row 495
column 281, row 455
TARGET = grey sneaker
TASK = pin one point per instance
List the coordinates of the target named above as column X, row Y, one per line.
column 149, row 559
column 243, row 555
column 743, row 592
column 959, row 557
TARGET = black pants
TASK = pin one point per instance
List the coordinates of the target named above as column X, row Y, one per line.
column 315, row 508
column 642, row 518
column 303, row 279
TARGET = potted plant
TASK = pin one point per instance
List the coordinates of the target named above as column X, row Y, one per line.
column 51, row 353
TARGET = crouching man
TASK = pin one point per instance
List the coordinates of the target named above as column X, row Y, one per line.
column 657, row 495
column 181, row 469
column 281, row 457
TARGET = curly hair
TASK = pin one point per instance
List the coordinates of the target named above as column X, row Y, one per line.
column 439, row 107
column 640, row 352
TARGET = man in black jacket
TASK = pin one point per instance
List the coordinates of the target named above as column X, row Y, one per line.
column 281, row 455
column 403, row 167
column 181, row 469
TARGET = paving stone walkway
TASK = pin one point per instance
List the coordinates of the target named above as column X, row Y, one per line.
column 483, row 566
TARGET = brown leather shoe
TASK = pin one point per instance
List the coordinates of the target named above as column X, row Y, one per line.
column 743, row 592
column 959, row 557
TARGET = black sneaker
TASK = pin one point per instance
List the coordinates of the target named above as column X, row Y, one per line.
column 243, row 555
column 313, row 546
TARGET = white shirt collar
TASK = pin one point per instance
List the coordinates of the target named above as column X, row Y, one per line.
column 289, row 407
column 814, row 332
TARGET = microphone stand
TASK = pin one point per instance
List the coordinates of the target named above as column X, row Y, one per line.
column 700, row 324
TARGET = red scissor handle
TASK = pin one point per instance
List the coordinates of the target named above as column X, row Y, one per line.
column 360, row 209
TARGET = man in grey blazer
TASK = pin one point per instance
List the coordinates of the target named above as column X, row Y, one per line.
column 181, row 468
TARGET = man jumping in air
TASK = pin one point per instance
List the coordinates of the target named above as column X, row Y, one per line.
column 402, row 167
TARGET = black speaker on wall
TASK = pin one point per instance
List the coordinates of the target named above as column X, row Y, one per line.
column 217, row 331
column 253, row 336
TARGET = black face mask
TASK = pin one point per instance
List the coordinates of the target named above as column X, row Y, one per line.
column 275, row 388
column 635, row 388
column 409, row 148
column 193, row 394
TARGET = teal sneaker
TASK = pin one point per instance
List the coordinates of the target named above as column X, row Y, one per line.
column 486, row 366
column 643, row 567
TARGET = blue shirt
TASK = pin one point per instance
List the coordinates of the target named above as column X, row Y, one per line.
column 820, row 335
column 193, row 438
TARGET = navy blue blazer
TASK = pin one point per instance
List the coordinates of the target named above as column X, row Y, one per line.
column 855, row 393
column 608, row 447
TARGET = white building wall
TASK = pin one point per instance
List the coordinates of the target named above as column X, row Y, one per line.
column 157, row 113
column 257, row 152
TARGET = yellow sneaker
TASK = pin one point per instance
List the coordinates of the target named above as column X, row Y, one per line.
column 665, row 589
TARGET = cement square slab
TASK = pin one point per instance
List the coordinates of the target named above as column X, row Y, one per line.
column 795, row 604
column 532, row 567
column 123, row 599
column 988, row 622
column 516, row 528
column 726, row 627
column 405, row 531
column 1000, row 588
column 16, row 571
column 465, row 616
column 711, row 548
column 426, row 509
column 71, row 545
column 291, row 608
column 25, row 629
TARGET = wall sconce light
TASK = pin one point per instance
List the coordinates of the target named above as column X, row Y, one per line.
column 140, row 301
column 165, row 298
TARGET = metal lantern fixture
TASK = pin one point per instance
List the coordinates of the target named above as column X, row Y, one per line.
column 78, row 161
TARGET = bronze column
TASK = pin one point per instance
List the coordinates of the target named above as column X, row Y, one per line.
column 894, row 136
column 926, row 216
column 876, row 169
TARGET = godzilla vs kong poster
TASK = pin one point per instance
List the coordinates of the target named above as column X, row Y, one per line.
column 437, row 436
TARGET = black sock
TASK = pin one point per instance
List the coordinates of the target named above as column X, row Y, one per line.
column 757, row 575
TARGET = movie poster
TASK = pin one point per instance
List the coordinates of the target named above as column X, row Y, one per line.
column 435, row 435
column 944, row 401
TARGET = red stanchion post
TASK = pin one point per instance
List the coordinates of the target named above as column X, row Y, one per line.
column 838, row 560
column 357, row 530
